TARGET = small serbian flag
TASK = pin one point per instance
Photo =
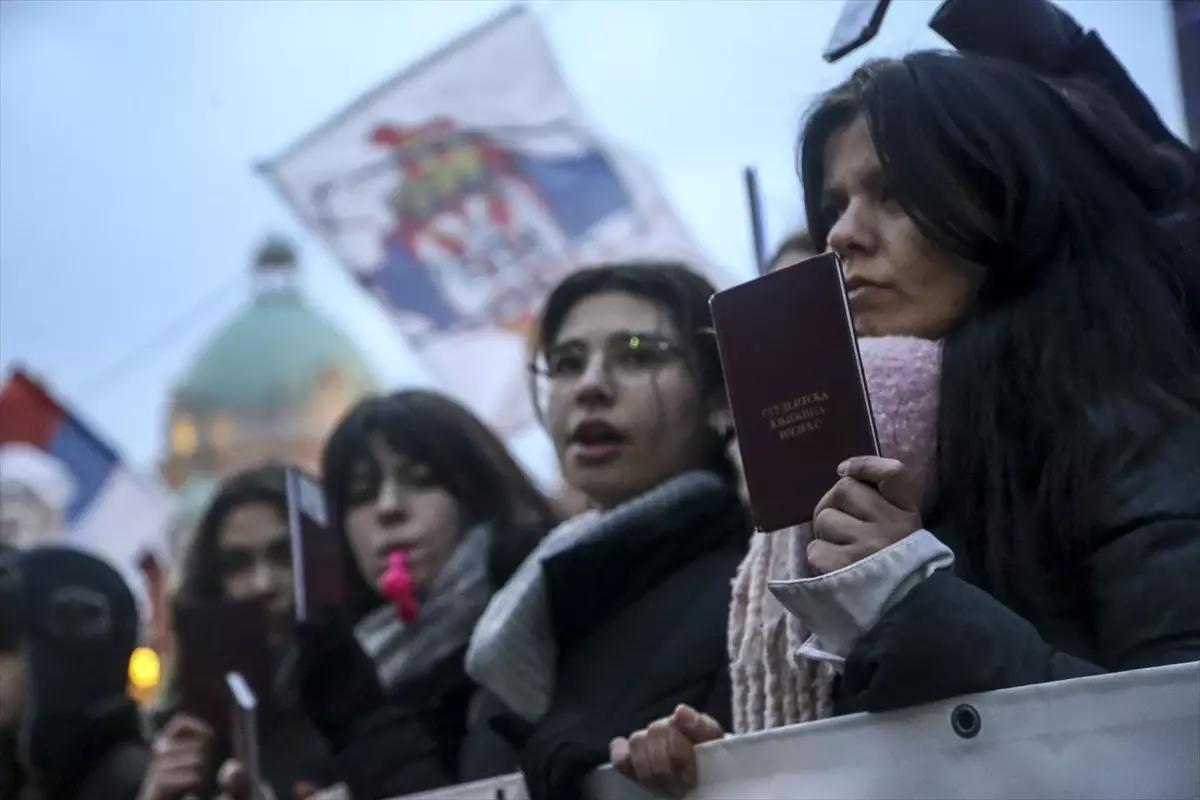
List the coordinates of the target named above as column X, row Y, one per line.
column 60, row 483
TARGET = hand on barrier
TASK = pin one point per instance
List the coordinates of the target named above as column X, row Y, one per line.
column 662, row 757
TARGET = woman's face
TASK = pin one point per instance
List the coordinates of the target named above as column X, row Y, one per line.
column 395, row 506
column 256, row 561
column 899, row 283
column 622, row 408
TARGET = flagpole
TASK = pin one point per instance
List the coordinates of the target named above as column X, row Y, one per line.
column 756, row 223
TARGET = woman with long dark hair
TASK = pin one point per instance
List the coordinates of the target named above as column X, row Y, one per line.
column 239, row 551
column 1020, row 223
column 415, row 472
column 619, row 614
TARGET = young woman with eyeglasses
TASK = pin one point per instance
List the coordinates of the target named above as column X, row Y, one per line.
column 619, row 615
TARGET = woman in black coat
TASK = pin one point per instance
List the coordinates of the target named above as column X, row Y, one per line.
column 619, row 615
column 414, row 472
column 972, row 201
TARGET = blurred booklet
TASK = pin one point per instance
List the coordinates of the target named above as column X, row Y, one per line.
column 217, row 637
column 243, row 710
column 316, row 554
column 795, row 385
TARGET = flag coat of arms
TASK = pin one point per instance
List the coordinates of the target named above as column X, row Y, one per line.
column 60, row 483
column 464, row 189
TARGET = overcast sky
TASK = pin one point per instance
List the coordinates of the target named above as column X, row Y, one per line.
column 128, row 132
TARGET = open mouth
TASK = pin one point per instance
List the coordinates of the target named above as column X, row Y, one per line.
column 596, row 442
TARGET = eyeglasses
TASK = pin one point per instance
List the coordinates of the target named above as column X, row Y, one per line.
column 625, row 357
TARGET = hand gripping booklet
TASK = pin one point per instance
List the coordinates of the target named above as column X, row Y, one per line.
column 316, row 557
column 243, row 709
column 795, row 384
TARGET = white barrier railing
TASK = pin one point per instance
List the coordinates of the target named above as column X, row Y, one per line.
column 1125, row 735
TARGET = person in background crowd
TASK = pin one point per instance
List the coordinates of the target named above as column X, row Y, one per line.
column 240, row 550
column 619, row 615
column 35, row 492
column 972, row 201
column 772, row 686
column 417, row 473
column 68, row 626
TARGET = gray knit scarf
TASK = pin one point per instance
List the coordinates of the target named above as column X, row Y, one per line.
column 402, row 651
column 513, row 652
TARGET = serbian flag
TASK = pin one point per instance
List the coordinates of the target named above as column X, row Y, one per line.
column 60, row 483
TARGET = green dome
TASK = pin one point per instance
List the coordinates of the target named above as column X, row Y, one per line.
column 274, row 354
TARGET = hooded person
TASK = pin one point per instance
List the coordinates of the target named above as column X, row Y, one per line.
column 68, row 730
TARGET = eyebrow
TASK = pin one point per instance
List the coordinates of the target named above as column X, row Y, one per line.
column 615, row 335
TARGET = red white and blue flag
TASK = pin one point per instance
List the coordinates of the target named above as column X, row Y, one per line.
column 59, row 482
column 463, row 190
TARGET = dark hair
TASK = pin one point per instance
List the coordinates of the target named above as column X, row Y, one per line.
column 1081, row 347
column 683, row 294
column 199, row 567
column 798, row 240
column 462, row 455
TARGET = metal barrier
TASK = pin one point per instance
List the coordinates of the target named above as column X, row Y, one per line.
column 1121, row 736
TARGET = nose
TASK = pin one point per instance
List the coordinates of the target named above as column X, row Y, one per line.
column 595, row 386
column 266, row 577
column 390, row 506
column 853, row 233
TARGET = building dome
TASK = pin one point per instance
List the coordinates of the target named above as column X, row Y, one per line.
column 269, row 384
column 272, row 354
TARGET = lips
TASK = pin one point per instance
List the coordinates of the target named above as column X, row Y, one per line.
column 860, row 290
column 595, row 443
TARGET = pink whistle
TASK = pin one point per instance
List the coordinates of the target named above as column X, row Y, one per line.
column 396, row 584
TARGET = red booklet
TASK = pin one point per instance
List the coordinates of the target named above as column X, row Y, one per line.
column 217, row 637
column 795, row 385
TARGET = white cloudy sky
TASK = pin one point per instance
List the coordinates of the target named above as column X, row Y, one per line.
column 128, row 131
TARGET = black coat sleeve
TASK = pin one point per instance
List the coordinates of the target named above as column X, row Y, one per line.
column 948, row 638
column 397, row 752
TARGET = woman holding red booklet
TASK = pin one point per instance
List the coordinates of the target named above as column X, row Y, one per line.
column 1021, row 224
column 238, row 552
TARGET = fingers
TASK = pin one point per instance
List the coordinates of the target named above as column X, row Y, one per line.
column 834, row 526
column 826, row 557
column 660, row 757
column 696, row 726
column 185, row 727
column 855, row 498
column 619, row 757
column 889, row 476
column 231, row 778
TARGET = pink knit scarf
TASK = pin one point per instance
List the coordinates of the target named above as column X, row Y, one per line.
column 771, row 686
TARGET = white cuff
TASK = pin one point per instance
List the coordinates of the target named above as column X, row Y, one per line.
column 841, row 606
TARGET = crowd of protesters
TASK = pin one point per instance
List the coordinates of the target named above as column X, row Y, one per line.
column 1029, row 232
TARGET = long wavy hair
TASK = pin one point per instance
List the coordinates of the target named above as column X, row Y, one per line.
column 463, row 456
column 1080, row 352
